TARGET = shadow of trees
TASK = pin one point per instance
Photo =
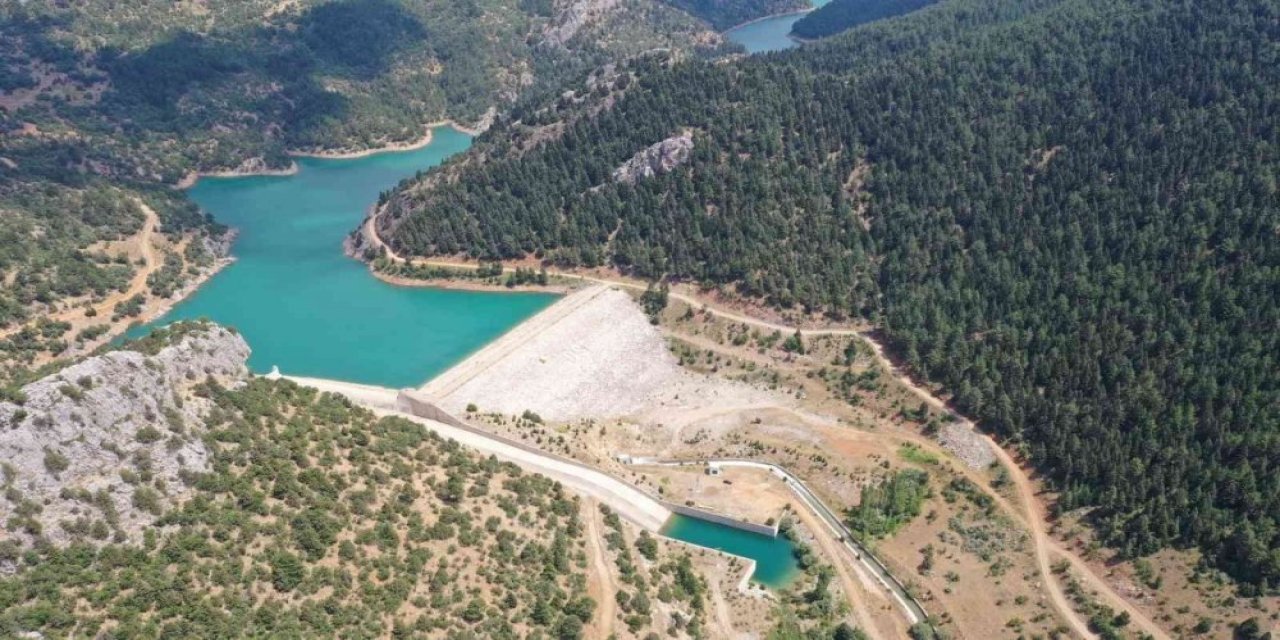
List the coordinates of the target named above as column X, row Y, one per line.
column 194, row 80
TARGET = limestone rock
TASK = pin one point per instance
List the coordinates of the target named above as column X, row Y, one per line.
column 101, row 446
column 966, row 444
column 658, row 158
column 570, row 20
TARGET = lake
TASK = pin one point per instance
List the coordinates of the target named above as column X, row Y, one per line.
column 305, row 306
column 769, row 34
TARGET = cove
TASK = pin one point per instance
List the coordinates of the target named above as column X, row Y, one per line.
column 775, row 556
column 306, row 307
column 768, row 34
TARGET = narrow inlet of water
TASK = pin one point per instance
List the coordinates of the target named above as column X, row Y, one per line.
column 769, row 34
column 775, row 557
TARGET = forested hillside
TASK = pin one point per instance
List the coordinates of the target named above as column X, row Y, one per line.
column 257, row 78
column 105, row 104
column 838, row 15
column 1065, row 211
column 723, row 14
column 310, row 519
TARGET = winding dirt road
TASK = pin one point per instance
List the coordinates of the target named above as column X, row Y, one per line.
column 1030, row 510
column 146, row 241
column 1032, row 514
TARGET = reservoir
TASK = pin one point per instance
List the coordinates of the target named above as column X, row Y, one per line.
column 775, row 559
column 768, row 34
column 305, row 306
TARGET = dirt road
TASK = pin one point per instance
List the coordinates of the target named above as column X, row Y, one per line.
column 1034, row 518
column 145, row 240
column 853, row 590
column 602, row 587
column 1031, row 510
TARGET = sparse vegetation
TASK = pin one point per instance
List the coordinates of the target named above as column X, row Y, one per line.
column 343, row 528
column 889, row 504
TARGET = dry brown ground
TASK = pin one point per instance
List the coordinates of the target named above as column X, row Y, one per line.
column 729, row 613
column 701, row 323
column 138, row 248
column 817, row 440
column 1183, row 594
column 145, row 249
column 601, row 583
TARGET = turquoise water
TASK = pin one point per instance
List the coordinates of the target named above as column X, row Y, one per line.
column 306, row 307
column 769, row 34
column 775, row 563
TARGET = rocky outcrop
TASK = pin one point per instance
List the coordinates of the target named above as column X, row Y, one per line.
column 219, row 246
column 657, row 159
column 96, row 451
column 577, row 15
column 258, row 166
column 966, row 444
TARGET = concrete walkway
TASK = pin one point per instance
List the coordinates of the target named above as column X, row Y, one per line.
column 630, row 502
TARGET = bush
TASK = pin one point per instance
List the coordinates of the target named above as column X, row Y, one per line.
column 647, row 546
column 55, row 462
column 148, row 434
column 287, row 571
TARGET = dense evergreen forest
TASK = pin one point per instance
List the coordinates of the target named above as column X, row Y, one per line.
column 839, row 15
column 723, row 14
column 1065, row 211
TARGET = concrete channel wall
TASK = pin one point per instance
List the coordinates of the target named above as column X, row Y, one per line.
column 419, row 404
column 414, row 403
column 623, row 497
column 629, row 501
column 914, row 611
column 710, row 516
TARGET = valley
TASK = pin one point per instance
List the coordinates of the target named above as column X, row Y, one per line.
column 860, row 319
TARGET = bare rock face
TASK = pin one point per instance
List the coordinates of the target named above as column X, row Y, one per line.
column 657, row 159
column 259, row 166
column 99, row 449
column 570, row 20
column 966, row 444
column 219, row 246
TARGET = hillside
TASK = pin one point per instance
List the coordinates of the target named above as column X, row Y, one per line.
column 105, row 104
column 338, row 522
column 159, row 491
column 724, row 14
column 839, row 15
column 1063, row 211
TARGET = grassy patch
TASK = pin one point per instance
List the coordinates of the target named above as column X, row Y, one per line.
column 913, row 453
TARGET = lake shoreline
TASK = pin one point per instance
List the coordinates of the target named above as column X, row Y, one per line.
column 155, row 308
column 412, row 145
column 292, row 289
column 366, row 236
column 463, row 283
column 768, row 17
column 478, row 128
column 193, row 177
